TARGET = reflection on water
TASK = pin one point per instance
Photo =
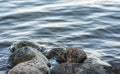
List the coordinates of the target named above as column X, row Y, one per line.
column 91, row 25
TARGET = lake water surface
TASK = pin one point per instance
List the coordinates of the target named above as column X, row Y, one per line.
column 91, row 25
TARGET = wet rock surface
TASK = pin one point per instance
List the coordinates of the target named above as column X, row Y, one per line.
column 24, row 43
column 72, row 55
column 25, row 54
column 96, row 60
column 112, row 70
column 77, row 68
column 30, row 67
column 54, row 53
column 84, row 68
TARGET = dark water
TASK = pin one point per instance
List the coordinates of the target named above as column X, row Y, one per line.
column 91, row 25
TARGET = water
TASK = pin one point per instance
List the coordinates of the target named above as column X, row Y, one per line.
column 91, row 25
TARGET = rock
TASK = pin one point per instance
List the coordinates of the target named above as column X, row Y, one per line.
column 88, row 66
column 95, row 60
column 21, row 44
column 112, row 69
column 55, row 52
column 30, row 67
column 72, row 55
column 78, row 68
column 25, row 54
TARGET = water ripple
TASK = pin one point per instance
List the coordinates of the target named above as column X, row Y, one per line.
column 90, row 25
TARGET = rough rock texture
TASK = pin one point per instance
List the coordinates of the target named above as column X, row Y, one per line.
column 88, row 66
column 72, row 55
column 55, row 52
column 30, row 67
column 78, row 68
column 21, row 44
column 96, row 60
column 25, row 54
column 112, row 70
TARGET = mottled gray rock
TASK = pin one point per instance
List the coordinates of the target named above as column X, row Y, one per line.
column 30, row 67
column 72, row 55
column 55, row 52
column 112, row 69
column 24, row 43
column 25, row 54
column 88, row 66
column 95, row 60
column 78, row 68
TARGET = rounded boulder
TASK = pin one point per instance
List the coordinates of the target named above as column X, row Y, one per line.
column 30, row 67
column 25, row 54
column 72, row 55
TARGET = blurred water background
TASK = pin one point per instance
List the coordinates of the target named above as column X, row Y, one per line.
column 91, row 25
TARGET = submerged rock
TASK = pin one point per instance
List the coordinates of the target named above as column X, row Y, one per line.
column 24, row 43
column 78, row 68
column 25, row 54
column 72, row 55
column 30, row 67
column 55, row 52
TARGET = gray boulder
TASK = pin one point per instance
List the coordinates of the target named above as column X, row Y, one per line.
column 54, row 53
column 112, row 69
column 25, row 54
column 30, row 67
column 78, row 68
column 88, row 66
column 72, row 55
column 24, row 43
column 96, row 60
